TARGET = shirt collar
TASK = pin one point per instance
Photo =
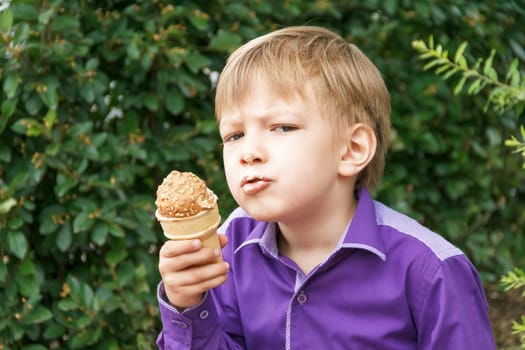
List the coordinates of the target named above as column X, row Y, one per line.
column 361, row 233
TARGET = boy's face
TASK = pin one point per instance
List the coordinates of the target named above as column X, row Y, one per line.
column 279, row 156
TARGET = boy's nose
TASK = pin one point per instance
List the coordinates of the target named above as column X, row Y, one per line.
column 250, row 158
column 253, row 148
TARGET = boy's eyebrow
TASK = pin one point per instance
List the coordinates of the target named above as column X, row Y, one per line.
column 236, row 114
column 229, row 122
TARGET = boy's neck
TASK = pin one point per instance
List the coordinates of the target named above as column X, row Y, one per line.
column 310, row 243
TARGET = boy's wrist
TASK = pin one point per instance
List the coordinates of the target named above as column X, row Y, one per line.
column 163, row 297
column 183, row 305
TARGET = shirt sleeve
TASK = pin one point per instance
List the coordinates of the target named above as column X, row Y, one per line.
column 453, row 313
column 195, row 328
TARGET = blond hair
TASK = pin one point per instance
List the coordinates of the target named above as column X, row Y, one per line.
column 348, row 87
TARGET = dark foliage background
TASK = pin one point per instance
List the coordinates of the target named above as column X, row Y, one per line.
column 100, row 99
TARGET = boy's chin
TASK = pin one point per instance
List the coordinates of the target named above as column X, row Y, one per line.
column 261, row 217
column 259, row 214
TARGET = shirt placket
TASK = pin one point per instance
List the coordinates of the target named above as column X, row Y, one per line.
column 299, row 298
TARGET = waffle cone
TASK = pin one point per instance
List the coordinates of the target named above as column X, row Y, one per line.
column 201, row 226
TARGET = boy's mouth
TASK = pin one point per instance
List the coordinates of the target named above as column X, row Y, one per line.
column 254, row 183
column 251, row 178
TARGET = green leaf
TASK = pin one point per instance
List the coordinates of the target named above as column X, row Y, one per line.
column 49, row 95
column 11, row 84
column 64, row 184
column 27, row 267
column 67, row 305
column 74, row 285
column 459, row 85
column 5, row 156
column 439, row 50
column 175, row 102
column 86, row 295
column 33, row 104
column 22, row 31
column 3, row 272
column 442, row 69
column 474, row 87
column 151, row 103
column 64, row 238
column 125, row 274
column 116, row 254
column 199, row 20
column 52, row 149
column 513, row 68
column 7, row 205
column 65, row 23
column 45, row 16
column 432, row 64
column 15, row 223
column 450, row 73
column 225, row 41
column 24, row 11
column 35, row 347
column 6, row 20
column 51, row 218
column 53, row 331
column 147, row 60
column 115, row 230
column 28, row 127
column 27, row 285
column 92, row 63
column 488, row 62
column 20, row 179
column 82, row 322
column 517, row 47
column 459, row 51
column 100, row 233
column 176, row 56
column 87, row 92
column 50, row 118
column 462, row 62
column 390, row 6
column 38, row 314
column 196, row 62
column 419, row 45
column 17, row 243
column 8, row 108
column 82, row 339
column 129, row 124
column 82, row 222
column 179, row 153
column 133, row 50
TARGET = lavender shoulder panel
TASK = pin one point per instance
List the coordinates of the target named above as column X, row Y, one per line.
column 402, row 223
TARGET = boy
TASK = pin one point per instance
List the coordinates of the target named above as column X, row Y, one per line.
column 312, row 262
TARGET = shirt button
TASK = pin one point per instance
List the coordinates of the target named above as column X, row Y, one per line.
column 204, row 314
column 181, row 324
column 302, row 298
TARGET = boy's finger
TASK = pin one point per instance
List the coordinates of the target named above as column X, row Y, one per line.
column 190, row 260
column 172, row 248
column 223, row 240
column 200, row 276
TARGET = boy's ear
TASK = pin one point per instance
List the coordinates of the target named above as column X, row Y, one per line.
column 357, row 150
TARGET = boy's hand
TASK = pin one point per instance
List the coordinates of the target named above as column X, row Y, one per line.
column 188, row 270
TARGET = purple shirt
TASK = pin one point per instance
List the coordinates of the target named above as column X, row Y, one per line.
column 390, row 284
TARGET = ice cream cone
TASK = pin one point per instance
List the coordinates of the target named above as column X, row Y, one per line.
column 187, row 209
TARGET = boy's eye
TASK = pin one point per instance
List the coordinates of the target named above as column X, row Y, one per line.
column 233, row 137
column 284, row 128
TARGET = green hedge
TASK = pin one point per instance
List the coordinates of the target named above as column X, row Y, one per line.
column 100, row 99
